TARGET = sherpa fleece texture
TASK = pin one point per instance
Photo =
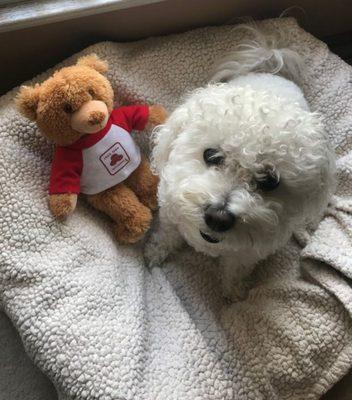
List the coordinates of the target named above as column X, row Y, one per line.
column 103, row 327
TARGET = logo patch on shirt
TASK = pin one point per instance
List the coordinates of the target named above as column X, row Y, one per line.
column 115, row 158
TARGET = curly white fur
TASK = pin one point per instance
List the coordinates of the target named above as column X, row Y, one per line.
column 255, row 120
column 261, row 53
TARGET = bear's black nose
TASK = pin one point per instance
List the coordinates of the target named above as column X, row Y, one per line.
column 218, row 218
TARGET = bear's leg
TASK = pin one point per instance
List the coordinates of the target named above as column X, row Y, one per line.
column 132, row 218
column 145, row 184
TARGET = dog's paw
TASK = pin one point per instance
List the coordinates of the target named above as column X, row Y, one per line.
column 154, row 253
column 236, row 291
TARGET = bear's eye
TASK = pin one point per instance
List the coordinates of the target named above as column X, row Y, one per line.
column 213, row 157
column 68, row 108
column 267, row 179
column 91, row 92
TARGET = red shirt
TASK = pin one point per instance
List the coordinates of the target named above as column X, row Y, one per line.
column 98, row 161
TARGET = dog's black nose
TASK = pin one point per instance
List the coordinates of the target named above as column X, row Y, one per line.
column 218, row 218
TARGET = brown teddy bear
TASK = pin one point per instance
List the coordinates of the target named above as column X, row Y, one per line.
column 95, row 153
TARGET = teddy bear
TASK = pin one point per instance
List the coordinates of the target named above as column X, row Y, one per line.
column 94, row 151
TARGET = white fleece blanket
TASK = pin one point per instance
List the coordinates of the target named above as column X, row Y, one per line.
column 103, row 327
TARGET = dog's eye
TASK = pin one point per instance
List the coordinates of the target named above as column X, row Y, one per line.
column 68, row 108
column 213, row 157
column 91, row 92
column 268, row 179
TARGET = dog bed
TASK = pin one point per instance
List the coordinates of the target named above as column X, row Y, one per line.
column 102, row 326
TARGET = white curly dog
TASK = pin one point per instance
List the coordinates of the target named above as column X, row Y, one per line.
column 242, row 164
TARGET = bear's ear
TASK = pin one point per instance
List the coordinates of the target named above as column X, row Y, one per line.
column 27, row 101
column 93, row 61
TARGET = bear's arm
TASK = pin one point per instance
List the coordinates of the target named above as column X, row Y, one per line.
column 66, row 171
column 131, row 117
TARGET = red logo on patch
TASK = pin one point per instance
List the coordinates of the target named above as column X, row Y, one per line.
column 115, row 158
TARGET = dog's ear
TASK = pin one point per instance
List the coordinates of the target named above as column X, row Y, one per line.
column 163, row 138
